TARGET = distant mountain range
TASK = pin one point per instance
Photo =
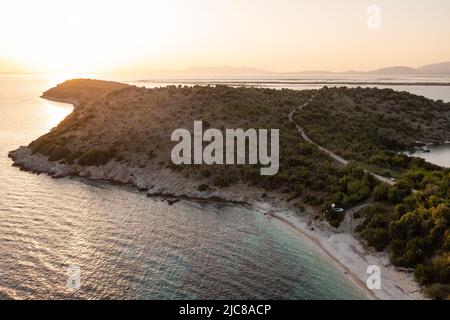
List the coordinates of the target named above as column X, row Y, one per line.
column 437, row 69
column 442, row 68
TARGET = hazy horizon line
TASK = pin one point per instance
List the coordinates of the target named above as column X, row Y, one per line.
column 226, row 68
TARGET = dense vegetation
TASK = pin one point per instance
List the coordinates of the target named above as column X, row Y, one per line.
column 412, row 218
column 413, row 223
column 131, row 125
column 82, row 91
column 369, row 124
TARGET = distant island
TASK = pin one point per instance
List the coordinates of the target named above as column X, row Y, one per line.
column 337, row 146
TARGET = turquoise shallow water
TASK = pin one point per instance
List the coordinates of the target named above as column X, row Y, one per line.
column 439, row 155
column 129, row 246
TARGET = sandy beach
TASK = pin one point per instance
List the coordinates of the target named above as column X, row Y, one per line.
column 344, row 249
column 287, row 151
column 350, row 256
column 341, row 246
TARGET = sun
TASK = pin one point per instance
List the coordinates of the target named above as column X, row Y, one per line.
column 82, row 36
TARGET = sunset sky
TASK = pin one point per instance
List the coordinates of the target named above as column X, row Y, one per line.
column 280, row 35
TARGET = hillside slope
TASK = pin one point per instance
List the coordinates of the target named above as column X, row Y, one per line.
column 122, row 134
column 362, row 124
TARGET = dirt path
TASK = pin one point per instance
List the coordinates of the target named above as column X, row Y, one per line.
column 329, row 152
column 349, row 223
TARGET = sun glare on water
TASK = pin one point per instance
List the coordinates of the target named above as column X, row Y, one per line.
column 55, row 112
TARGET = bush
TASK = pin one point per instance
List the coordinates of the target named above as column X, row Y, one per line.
column 438, row 291
column 95, row 158
column 203, row 187
column 334, row 218
column 44, row 147
column 377, row 238
column 223, row 181
column 59, row 153
column 380, row 192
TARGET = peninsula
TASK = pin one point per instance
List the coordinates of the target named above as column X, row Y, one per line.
column 337, row 146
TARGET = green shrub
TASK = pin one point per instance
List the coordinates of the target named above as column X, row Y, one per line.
column 94, row 158
column 380, row 192
column 377, row 238
column 223, row 181
column 59, row 153
column 334, row 218
column 203, row 187
column 438, row 291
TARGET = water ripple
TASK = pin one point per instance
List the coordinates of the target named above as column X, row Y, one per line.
column 129, row 246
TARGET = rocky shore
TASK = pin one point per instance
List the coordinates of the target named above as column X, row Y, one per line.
column 163, row 182
column 343, row 249
column 121, row 134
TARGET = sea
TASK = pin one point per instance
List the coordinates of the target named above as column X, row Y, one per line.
column 76, row 239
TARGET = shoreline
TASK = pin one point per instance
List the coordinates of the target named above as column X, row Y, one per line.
column 73, row 102
column 346, row 252
column 350, row 256
column 293, row 82
column 348, row 274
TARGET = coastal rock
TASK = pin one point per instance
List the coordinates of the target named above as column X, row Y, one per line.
column 123, row 136
column 24, row 159
column 141, row 183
